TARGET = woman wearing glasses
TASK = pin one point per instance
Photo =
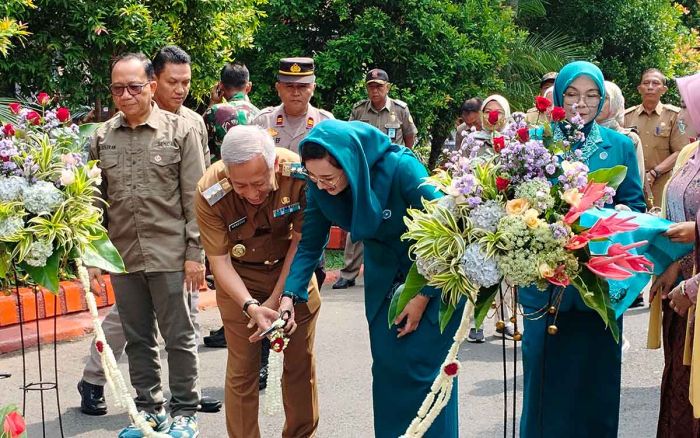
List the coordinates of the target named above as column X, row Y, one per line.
column 572, row 379
column 365, row 184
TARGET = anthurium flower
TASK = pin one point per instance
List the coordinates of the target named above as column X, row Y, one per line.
column 542, row 103
column 559, row 277
column 577, row 242
column 15, row 107
column 611, row 225
column 633, row 262
column 591, row 193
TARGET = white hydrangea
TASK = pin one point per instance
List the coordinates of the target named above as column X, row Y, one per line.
column 487, row 215
column 480, row 269
column 39, row 251
column 11, row 188
column 42, row 197
column 10, row 226
column 429, row 268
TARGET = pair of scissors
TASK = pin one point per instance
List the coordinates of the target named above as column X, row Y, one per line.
column 278, row 324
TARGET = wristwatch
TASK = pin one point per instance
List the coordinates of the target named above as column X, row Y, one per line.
column 289, row 295
column 247, row 304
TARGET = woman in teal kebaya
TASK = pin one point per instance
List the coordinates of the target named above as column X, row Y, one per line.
column 361, row 182
column 572, row 379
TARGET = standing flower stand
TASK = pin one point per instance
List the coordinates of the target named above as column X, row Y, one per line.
column 41, row 385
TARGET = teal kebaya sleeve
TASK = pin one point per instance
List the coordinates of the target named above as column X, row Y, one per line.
column 414, row 190
column 314, row 235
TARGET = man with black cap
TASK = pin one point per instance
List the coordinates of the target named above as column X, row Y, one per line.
column 289, row 122
column 392, row 117
column 547, row 81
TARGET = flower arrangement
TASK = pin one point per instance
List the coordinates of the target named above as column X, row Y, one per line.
column 13, row 425
column 49, row 208
column 510, row 213
column 273, row 393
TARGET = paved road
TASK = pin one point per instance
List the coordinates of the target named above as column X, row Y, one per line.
column 344, row 381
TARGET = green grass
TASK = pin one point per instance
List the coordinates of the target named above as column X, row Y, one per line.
column 334, row 259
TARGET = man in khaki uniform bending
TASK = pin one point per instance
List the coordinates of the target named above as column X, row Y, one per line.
column 656, row 124
column 250, row 211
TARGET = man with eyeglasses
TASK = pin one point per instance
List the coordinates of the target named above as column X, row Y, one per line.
column 151, row 160
column 657, row 126
column 288, row 124
column 250, row 211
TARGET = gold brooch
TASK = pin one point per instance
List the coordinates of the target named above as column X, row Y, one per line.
column 238, row 250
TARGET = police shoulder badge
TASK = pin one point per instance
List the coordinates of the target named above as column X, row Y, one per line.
column 216, row 192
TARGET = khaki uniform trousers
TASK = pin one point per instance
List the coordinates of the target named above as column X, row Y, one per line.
column 299, row 392
column 352, row 256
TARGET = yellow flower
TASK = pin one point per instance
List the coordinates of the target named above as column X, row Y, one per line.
column 572, row 197
column 530, row 218
column 517, row 206
column 546, row 271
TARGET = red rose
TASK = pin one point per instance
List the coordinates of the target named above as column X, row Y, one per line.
column 43, row 99
column 99, row 346
column 451, row 369
column 15, row 107
column 558, row 114
column 523, row 134
column 62, row 114
column 502, row 183
column 498, row 144
column 14, row 424
column 33, row 117
column 9, row 130
column 494, row 116
column 542, row 103
column 277, row 345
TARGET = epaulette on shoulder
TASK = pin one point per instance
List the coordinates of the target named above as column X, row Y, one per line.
column 401, row 103
column 360, row 103
column 217, row 191
column 266, row 110
column 630, row 109
column 326, row 113
column 295, row 170
column 674, row 108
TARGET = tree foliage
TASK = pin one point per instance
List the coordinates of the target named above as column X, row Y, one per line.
column 624, row 37
column 436, row 52
column 71, row 43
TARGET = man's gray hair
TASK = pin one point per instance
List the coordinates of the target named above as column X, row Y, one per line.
column 242, row 143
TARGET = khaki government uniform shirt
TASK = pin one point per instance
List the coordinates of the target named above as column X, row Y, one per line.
column 201, row 127
column 288, row 135
column 149, row 177
column 660, row 136
column 256, row 237
column 394, row 119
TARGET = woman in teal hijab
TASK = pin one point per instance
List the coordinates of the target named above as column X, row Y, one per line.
column 572, row 378
column 361, row 182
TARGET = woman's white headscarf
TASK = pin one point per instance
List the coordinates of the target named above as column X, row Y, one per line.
column 503, row 102
column 616, row 115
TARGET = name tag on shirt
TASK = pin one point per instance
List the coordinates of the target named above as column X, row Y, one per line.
column 286, row 210
column 237, row 223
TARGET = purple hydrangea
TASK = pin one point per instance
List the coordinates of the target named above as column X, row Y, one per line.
column 575, row 175
column 558, row 230
column 526, row 161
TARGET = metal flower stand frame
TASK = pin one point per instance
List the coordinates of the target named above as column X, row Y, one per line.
column 41, row 385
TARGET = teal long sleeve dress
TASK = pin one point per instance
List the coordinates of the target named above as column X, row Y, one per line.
column 572, row 379
column 384, row 181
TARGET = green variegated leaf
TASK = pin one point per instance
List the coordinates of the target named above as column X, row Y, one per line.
column 446, row 311
column 483, row 303
column 612, row 176
column 46, row 276
column 102, row 254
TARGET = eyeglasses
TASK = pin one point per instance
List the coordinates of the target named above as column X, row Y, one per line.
column 571, row 98
column 325, row 181
column 134, row 89
column 652, row 83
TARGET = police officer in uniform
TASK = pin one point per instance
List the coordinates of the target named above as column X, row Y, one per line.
column 250, row 211
column 289, row 122
column 392, row 117
column 657, row 126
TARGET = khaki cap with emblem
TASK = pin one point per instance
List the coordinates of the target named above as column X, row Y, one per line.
column 548, row 77
column 300, row 70
column 377, row 75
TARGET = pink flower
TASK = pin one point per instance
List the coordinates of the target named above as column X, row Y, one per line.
column 559, row 278
column 591, row 193
column 577, row 242
column 43, row 98
column 619, row 263
column 8, row 130
column 607, row 267
column 14, row 424
column 33, row 117
column 633, row 262
column 606, row 227
column 15, row 107
column 63, row 114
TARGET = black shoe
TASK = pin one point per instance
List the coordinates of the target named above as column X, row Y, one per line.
column 343, row 283
column 217, row 339
column 263, row 378
column 210, row 282
column 638, row 302
column 209, row 404
column 93, row 398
